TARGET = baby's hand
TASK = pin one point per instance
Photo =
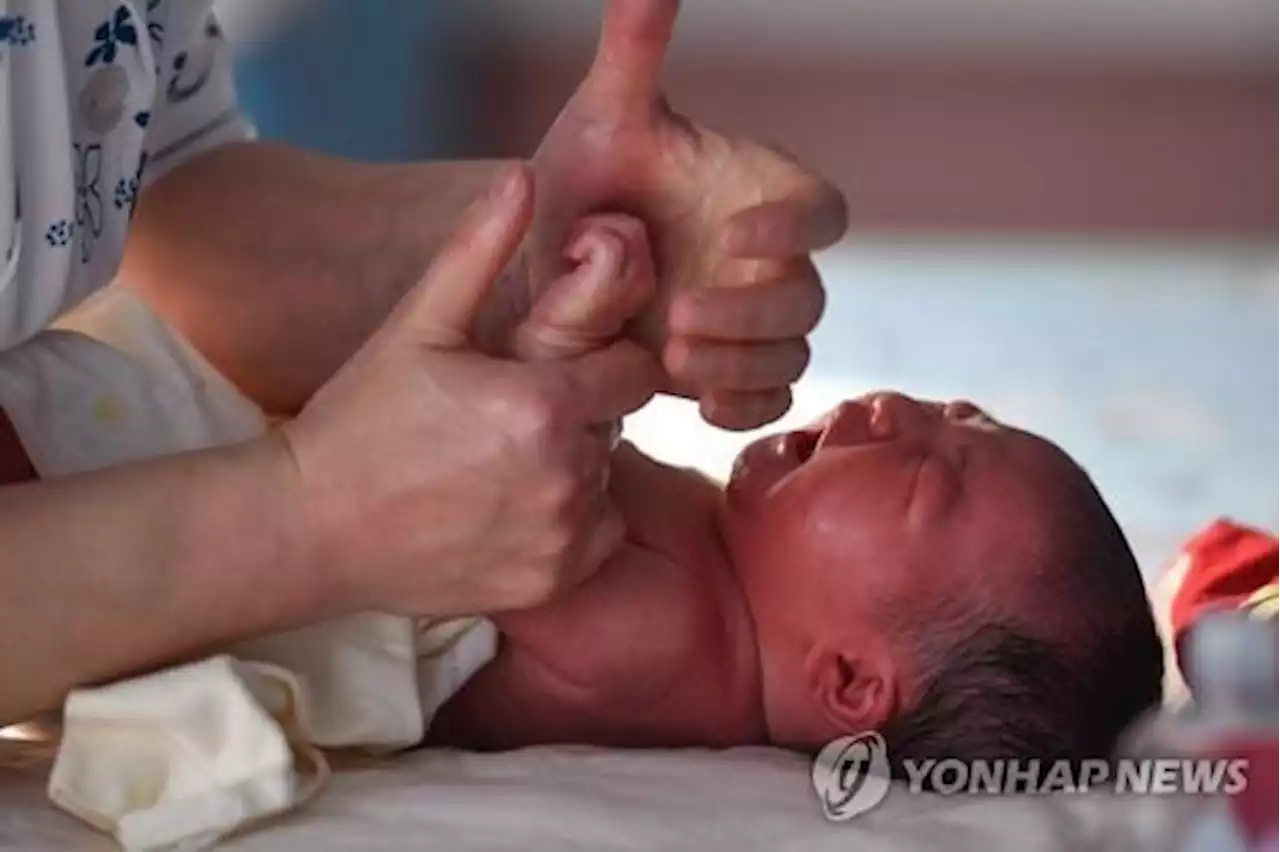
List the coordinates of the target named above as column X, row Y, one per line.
column 591, row 305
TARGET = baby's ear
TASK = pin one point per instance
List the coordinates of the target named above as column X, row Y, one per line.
column 611, row 279
column 854, row 686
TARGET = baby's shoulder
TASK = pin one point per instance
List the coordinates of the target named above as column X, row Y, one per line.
column 641, row 622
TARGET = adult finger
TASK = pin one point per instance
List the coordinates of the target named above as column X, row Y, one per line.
column 609, row 383
column 440, row 308
column 633, row 42
column 739, row 411
column 808, row 220
column 771, row 310
column 735, row 366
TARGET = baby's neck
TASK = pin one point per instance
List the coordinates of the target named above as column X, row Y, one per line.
column 675, row 514
column 744, row 659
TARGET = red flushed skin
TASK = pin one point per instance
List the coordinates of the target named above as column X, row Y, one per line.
column 655, row 649
column 760, row 612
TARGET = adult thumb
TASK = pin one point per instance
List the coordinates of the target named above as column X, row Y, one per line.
column 440, row 308
column 633, row 42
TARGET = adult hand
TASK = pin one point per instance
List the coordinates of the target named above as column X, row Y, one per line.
column 611, row 280
column 438, row 481
column 732, row 224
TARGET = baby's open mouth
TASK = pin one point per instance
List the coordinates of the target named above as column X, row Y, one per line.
column 804, row 444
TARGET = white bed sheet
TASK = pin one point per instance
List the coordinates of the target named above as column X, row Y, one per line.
column 569, row 799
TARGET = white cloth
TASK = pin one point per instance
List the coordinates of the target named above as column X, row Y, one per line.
column 187, row 755
column 99, row 98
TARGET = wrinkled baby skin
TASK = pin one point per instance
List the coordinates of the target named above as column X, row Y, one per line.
column 771, row 609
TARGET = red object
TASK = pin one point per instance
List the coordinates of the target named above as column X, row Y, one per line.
column 1230, row 563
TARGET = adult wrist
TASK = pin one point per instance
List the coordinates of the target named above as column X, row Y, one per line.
column 307, row 580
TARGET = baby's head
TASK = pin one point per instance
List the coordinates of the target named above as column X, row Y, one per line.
column 960, row 586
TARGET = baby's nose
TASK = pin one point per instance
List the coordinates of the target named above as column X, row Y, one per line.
column 895, row 414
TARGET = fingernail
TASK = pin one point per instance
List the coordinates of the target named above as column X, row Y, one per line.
column 507, row 183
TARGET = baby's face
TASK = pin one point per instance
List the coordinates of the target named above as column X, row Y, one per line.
column 885, row 502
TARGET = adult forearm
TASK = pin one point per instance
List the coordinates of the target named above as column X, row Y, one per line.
column 277, row 263
column 109, row 573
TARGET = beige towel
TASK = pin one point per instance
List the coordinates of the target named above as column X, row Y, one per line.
column 181, row 757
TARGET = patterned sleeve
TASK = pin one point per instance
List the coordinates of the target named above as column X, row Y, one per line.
column 195, row 108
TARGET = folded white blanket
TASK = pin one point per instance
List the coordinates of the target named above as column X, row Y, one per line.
column 184, row 756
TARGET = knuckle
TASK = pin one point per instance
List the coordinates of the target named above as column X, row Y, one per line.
column 558, row 541
column 559, row 488
column 536, row 585
column 537, row 412
column 467, row 241
column 552, row 400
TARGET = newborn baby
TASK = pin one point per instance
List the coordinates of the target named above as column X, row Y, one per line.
column 911, row 567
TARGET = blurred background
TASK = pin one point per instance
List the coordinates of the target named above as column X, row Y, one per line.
column 1061, row 209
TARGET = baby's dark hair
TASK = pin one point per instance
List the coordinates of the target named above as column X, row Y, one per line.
column 1003, row 687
